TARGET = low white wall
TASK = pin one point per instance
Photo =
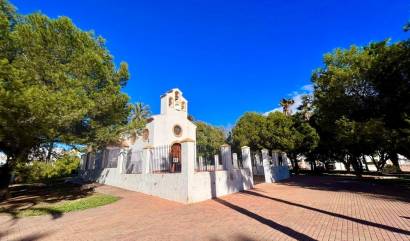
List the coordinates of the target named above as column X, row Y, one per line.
column 171, row 186
column 174, row 186
column 207, row 185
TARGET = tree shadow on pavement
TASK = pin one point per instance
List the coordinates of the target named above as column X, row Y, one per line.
column 391, row 188
column 357, row 220
column 286, row 230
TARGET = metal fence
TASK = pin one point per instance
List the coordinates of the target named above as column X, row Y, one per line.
column 133, row 162
column 256, row 158
column 110, row 157
column 166, row 159
column 237, row 160
column 208, row 159
column 257, row 164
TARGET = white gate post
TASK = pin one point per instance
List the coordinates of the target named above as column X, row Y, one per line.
column 188, row 152
column 120, row 162
column 247, row 161
column 188, row 157
column 266, row 166
column 146, row 159
column 216, row 160
column 235, row 160
column 226, row 156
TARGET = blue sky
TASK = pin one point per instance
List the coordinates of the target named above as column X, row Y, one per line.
column 228, row 57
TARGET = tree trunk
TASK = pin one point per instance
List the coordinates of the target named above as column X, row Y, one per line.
column 347, row 165
column 394, row 158
column 296, row 166
column 365, row 163
column 50, row 151
column 294, row 162
column 375, row 163
column 358, row 168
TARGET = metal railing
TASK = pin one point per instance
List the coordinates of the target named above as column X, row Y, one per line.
column 133, row 162
column 257, row 163
column 166, row 159
column 237, row 160
column 208, row 159
column 110, row 158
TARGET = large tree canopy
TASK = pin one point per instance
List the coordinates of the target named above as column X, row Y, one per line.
column 57, row 84
column 361, row 102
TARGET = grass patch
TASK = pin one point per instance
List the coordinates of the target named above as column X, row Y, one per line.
column 59, row 208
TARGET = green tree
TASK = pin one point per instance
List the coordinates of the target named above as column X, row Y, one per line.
column 361, row 103
column 248, row 131
column 209, row 139
column 305, row 139
column 57, row 84
column 306, row 107
column 278, row 132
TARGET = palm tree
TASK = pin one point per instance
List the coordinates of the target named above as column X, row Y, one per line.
column 286, row 104
column 138, row 117
column 139, row 111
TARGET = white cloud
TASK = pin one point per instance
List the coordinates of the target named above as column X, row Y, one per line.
column 297, row 97
column 307, row 88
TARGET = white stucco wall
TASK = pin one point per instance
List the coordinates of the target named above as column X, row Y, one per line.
column 174, row 186
column 171, row 186
column 162, row 130
column 207, row 185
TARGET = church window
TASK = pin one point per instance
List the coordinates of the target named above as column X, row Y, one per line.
column 177, row 130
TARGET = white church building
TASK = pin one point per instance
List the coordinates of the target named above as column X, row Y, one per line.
column 162, row 160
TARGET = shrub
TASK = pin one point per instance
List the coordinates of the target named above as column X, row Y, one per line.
column 39, row 171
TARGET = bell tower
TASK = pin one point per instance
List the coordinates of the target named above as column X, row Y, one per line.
column 173, row 102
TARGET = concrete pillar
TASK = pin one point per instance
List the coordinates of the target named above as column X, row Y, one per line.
column 188, row 154
column 284, row 159
column 235, row 160
column 246, row 157
column 146, row 159
column 188, row 157
column 266, row 166
column 121, row 161
column 226, row 157
column 247, row 161
column 216, row 160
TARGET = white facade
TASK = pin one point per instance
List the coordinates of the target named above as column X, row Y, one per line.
column 170, row 126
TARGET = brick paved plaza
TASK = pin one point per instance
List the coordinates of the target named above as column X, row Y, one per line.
column 303, row 208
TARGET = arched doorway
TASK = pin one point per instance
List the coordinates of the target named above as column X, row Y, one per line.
column 176, row 157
